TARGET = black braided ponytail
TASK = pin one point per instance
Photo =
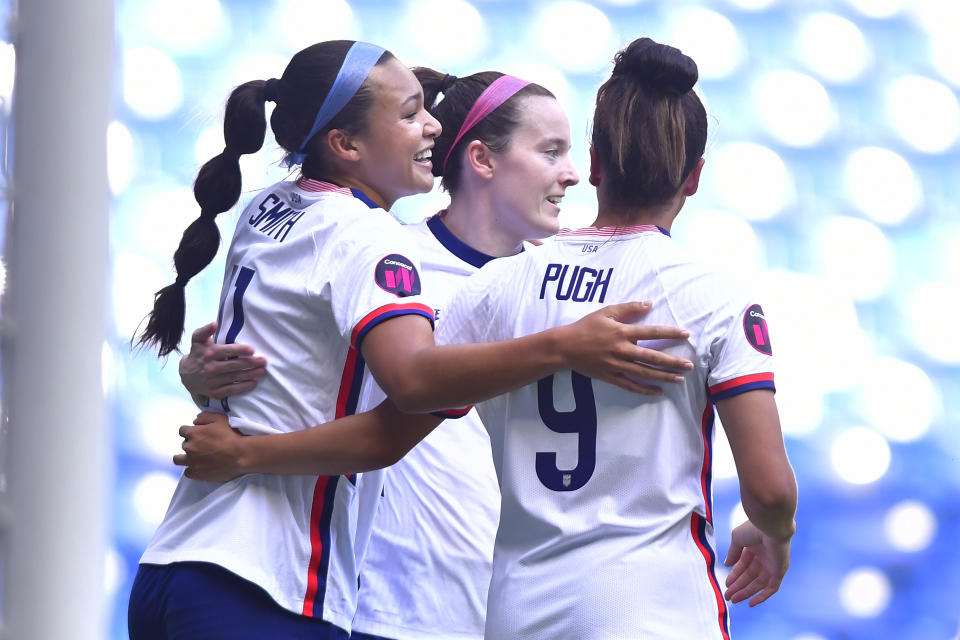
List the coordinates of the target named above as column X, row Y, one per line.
column 216, row 189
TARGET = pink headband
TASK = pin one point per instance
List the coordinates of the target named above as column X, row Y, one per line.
column 499, row 91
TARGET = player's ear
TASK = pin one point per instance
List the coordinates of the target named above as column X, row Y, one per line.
column 595, row 169
column 692, row 182
column 479, row 159
column 342, row 145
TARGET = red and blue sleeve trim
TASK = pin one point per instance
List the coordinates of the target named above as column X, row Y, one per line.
column 451, row 414
column 741, row 385
column 386, row 312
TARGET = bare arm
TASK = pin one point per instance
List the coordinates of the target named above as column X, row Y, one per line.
column 759, row 548
column 768, row 488
column 420, row 377
column 402, row 356
column 370, row 440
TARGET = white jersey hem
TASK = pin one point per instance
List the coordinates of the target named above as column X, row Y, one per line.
column 394, row 632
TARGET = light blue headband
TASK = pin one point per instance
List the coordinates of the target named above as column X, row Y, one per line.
column 360, row 59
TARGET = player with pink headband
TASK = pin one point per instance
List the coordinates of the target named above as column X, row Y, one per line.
column 499, row 91
column 429, row 563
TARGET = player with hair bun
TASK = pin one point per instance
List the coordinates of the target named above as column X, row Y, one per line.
column 323, row 282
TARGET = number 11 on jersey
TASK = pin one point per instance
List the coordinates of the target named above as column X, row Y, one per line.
column 582, row 420
column 243, row 277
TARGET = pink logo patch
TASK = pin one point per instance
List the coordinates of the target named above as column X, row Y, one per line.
column 397, row 275
column 755, row 329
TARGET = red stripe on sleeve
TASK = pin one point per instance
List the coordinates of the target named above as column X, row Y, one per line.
column 414, row 307
column 736, row 382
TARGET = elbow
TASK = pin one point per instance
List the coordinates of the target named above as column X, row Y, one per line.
column 409, row 396
column 409, row 403
column 376, row 455
column 382, row 459
column 390, row 451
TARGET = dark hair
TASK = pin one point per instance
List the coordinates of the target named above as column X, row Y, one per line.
column 298, row 94
column 649, row 127
column 459, row 95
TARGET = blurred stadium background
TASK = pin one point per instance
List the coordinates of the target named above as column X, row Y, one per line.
column 833, row 175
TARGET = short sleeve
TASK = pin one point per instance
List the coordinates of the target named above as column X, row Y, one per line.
column 741, row 355
column 474, row 313
column 376, row 276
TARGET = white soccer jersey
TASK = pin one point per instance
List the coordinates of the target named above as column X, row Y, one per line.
column 429, row 562
column 606, row 524
column 311, row 268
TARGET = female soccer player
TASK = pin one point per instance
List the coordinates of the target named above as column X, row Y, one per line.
column 429, row 561
column 325, row 283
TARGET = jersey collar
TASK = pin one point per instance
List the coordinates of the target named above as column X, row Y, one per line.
column 314, row 186
column 619, row 230
column 454, row 245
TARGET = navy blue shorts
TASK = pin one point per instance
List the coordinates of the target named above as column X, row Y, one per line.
column 201, row 601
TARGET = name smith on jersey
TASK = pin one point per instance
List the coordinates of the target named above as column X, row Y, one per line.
column 277, row 221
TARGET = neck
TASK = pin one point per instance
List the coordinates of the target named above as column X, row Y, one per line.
column 611, row 214
column 473, row 220
column 352, row 182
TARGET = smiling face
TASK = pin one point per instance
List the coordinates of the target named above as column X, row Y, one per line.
column 395, row 148
column 532, row 174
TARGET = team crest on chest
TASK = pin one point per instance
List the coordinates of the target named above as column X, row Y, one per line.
column 755, row 329
column 397, row 275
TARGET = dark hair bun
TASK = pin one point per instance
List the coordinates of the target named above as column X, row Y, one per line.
column 658, row 66
column 446, row 82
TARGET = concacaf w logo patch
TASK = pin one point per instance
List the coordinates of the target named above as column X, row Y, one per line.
column 397, row 275
column 755, row 328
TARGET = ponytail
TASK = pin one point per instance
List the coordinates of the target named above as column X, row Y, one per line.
column 216, row 189
column 299, row 123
